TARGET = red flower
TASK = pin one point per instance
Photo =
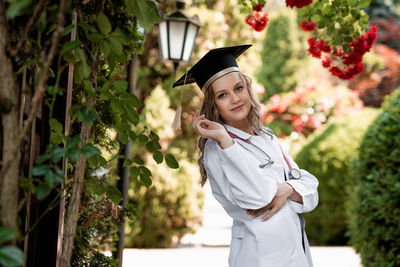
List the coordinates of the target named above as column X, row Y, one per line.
column 298, row 3
column 314, row 48
column 307, row 26
column 326, row 62
column 257, row 22
column 258, row 7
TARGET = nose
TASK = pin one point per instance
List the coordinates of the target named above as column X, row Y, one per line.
column 235, row 98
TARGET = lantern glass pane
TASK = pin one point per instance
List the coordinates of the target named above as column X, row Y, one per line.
column 163, row 39
column 190, row 38
column 176, row 37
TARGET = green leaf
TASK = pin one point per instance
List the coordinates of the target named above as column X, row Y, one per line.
column 134, row 172
column 132, row 115
column 142, row 139
column 131, row 100
column 144, row 10
column 49, row 179
column 11, row 256
column 171, row 161
column 363, row 3
column 73, row 154
column 55, row 125
column 120, row 85
column 114, row 194
column 145, row 180
column 87, row 27
column 6, row 234
column 127, row 162
column 158, row 157
column 351, row 2
column 42, row 158
column 87, row 85
column 74, row 141
column 116, row 105
column 68, row 29
column 138, row 160
column 87, row 116
column 145, row 171
column 42, row 191
column 103, row 23
column 40, row 170
column 115, row 45
column 16, row 7
column 89, row 150
column 68, row 46
column 95, row 37
column 58, row 153
column 104, row 47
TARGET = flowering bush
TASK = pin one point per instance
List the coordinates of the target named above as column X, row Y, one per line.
column 345, row 41
column 308, row 107
column 344, row 65
column 340, row 32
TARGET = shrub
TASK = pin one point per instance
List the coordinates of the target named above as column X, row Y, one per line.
column 172, row 206
column 374, row 218
column 328, row 155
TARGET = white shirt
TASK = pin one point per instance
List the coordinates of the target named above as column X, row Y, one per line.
column 238, row 183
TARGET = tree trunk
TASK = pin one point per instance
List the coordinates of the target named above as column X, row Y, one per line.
column 9, row 101
column 74, row 203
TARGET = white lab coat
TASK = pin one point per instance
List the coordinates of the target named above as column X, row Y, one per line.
column 238, row 183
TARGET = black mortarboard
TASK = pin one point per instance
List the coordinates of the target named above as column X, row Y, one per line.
column 216, row 63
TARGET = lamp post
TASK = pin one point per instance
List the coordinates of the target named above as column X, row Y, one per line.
column 177, row 33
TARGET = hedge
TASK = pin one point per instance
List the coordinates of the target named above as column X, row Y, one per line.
column 375, row 213
column 328, row 154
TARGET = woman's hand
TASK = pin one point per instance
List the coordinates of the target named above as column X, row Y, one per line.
column 282, row 195
column 211, row 129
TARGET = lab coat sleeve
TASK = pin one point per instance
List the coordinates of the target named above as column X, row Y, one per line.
column 237, row 179
column 306, row 186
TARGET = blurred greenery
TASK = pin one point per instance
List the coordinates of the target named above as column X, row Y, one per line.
column 374, row 206
column 328, row 154
column 284, row 55
column 172, row 206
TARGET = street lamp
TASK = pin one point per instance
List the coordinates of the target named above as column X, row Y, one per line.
column 177, row 33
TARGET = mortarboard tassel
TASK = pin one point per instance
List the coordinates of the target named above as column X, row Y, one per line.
column 176, row 124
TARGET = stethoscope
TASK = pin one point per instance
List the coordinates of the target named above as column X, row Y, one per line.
column 294, row 174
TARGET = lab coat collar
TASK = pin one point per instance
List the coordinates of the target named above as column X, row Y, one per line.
column 237, row 132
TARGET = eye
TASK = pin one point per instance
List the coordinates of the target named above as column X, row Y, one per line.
column 239, row 88
column 221, row 95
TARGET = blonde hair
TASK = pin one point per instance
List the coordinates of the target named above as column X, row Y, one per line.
column 210, row 111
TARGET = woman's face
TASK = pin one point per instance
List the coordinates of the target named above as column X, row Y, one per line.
column 232, row 98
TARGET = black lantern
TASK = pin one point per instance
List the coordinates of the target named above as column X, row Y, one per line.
column 177, row 33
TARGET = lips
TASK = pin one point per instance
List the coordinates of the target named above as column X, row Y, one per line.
column 237, row 108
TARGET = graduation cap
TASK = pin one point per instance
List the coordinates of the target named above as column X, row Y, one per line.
column 213, row 65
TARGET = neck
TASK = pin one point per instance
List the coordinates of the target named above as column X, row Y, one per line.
column 245, row 126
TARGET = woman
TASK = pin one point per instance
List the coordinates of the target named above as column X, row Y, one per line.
column 259, row 186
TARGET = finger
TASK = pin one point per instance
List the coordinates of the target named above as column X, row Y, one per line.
column 259, row 212
column 269, row 215
column 249, row 211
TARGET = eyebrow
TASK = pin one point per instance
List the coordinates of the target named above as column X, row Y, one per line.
column 226, row 90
